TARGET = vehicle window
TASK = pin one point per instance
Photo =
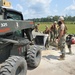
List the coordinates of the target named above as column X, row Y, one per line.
column 13, row 16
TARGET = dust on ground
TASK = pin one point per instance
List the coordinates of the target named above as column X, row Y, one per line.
column 49, row 64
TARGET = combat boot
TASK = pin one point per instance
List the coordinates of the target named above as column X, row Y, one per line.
column 70, row 52
column 61, row 57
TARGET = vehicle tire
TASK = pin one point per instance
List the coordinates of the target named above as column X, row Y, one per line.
column 14, row 66
column 33, row 56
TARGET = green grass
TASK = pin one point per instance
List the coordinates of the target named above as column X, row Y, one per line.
column 70, row 26
column 43, row 24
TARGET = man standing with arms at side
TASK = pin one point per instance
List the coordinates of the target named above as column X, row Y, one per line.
column 61, row 38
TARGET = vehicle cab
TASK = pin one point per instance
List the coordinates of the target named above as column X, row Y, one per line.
column 10, row 14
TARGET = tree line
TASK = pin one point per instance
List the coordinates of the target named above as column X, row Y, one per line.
column 53, row 18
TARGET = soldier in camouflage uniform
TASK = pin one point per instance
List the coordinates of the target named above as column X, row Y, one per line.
column 69, row 41
column 53, row 32
column 37, row 28
column 61, row 37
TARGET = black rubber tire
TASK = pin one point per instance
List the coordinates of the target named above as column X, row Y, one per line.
column 13, row 66
column 33, row 56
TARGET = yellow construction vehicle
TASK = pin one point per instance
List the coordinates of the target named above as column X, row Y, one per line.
column 5, row 3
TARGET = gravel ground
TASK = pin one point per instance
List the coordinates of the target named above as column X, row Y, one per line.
column 51, row 66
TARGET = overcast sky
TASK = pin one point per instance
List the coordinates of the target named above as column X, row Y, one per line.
column 44, row 8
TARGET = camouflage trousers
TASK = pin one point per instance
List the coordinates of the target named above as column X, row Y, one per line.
column 61, row 45
column 69, row 46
